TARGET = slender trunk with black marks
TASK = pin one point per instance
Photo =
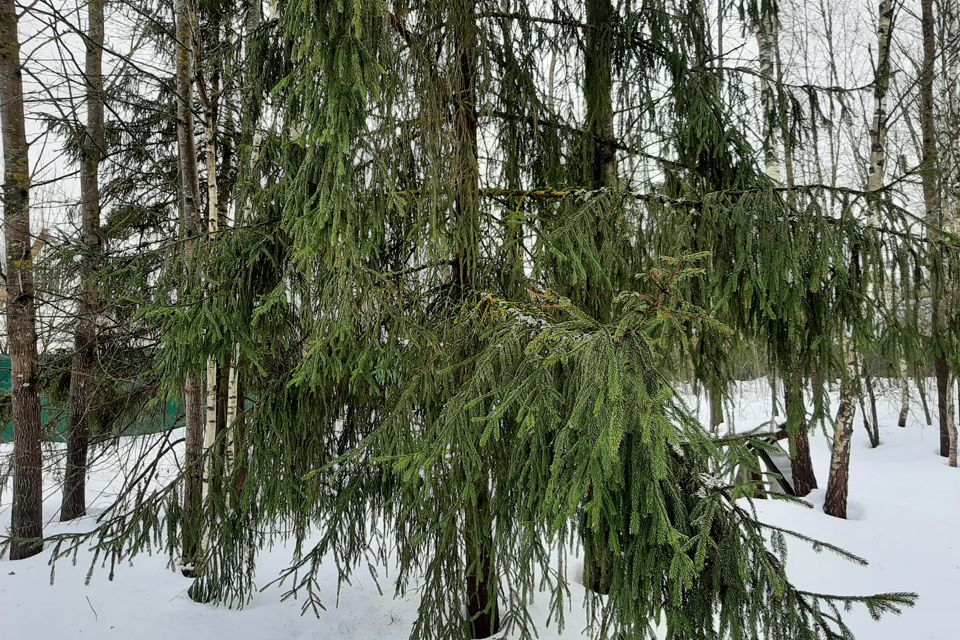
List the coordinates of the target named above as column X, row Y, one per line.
column 904, row 396
column 950, row 210
column 836, row 499
column 835, row 502
column 214, row 368
column 766, row 39
column 876, row 170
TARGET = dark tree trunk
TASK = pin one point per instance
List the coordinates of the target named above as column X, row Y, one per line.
column 942, row 370
column 240, row 435
column 482, row 608
column 816, row 388
column 223, row 395
column 85, row 337
column 716, row 410
column 602, row 168
column 597, row 87
column 872, row 425
column 193, row 470
column 481, row 579
column 804, row 480
column 924, row 403
column 774, row 411
column 191, row 228
column 26, row 523
column 597, row 561
column 933, row 209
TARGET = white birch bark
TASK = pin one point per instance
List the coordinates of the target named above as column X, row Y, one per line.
column 233, row 409
column 766, row 41
column 210, row 432
column 878, row 129
column 836, row 500
column 904, row 394
column 952, row 209
column 878, row 152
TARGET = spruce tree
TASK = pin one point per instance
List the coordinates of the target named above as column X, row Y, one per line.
column 461, row 292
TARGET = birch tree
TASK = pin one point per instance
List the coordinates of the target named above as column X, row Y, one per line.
column 949, row 176
column 835, row 503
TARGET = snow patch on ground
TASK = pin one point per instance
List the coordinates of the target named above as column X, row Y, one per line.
column 904, row 518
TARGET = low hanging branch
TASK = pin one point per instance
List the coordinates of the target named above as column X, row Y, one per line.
column 547, row 194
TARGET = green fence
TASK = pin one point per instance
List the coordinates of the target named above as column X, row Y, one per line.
column 150, row 419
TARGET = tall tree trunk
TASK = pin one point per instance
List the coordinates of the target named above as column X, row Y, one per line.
column 74, row 502
column 215, row 414
column 797, row 425
column 481, row 578
column 602, row 174
column 513, row 279
column 191, row 227
column 878, row 161
column 235, row 461
column 836, row 499
column 934, row 215
column 597, row 89
column 26, row 522
column 950, row 161
column 213, row 225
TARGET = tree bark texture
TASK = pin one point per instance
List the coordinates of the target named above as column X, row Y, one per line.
column 81, row 412
column 26, row 524
column 191, row 227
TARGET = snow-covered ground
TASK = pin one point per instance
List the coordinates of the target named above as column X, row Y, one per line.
column 905, row 519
